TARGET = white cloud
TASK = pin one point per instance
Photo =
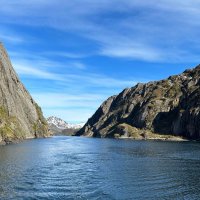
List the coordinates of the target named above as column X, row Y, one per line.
column 10, row 38
column 104, row 81
column 70, row 107
column 78, row 65
column 152, row 28
column 66, row 54
column 26, row 69
column 61, row 72
column 60, row 100
column 132, row 52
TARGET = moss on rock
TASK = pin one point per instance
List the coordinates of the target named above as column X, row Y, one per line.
column 40, row 126
column 10, row 128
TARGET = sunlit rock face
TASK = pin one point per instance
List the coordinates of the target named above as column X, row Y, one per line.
column 170, row 106
column 58, row 126
column 20, row 116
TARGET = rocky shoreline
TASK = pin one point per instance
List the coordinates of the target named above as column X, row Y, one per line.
column 170, row 139
column 16, row 141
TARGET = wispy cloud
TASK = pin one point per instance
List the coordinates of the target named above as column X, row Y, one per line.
column 32, row 72
column 149, row 34
column 78, row 65
column 36, row 70
column 10, row 38
column 43, row 71
column 84, row 100
column 71, row 107
column 125, row 50
column 66, row 54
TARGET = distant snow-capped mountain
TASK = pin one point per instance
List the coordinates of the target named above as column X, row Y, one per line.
column 61, row 124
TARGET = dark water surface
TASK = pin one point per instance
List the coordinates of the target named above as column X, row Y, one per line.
column 86, row 168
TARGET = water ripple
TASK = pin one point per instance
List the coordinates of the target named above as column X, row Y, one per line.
column 86, row 168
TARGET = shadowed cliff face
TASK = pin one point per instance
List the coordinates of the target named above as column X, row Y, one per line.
column 20, row 116
column 170, row 106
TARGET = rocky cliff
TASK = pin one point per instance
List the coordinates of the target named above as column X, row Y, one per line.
column 20, row 116
column 166, row 107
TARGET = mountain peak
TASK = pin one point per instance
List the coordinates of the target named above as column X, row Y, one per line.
column 61, row 124
column 58, row 122
column 169, row 107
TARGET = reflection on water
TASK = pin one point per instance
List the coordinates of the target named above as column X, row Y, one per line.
column 87, row 168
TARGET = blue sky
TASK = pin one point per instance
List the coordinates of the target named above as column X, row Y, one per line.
column 72, row 55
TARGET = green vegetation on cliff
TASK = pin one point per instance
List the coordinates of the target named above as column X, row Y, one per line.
column 40, row 126
column 166, row 107
column 20, row 116
column 10, row 128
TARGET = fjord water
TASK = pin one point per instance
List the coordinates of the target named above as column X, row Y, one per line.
column 87, row 168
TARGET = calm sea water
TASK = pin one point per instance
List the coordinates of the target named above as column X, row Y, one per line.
column 87, row 168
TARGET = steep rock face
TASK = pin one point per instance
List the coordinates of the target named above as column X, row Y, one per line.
column 170, row 106
column 20, row 116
